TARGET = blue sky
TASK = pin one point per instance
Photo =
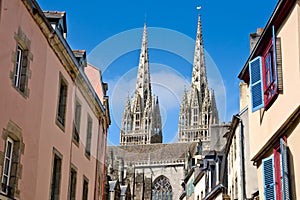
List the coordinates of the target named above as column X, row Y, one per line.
column 96, row 25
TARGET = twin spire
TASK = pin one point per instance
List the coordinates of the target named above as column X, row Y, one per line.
column 141, row 123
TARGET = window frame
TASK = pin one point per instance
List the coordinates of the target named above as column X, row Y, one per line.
column 270, row 89
column 85, row 193
column 72, row 184
column 62, row 102
column 77, row 121
column 18, row 66
column 8, row 140
column 53, row 195
column 21, row 60
column 89, row 132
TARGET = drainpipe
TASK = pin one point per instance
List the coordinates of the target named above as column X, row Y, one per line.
column 242, row 155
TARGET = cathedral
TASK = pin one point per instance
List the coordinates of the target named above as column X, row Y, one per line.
column 152, row 170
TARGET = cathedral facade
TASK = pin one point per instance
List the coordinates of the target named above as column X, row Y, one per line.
column 198, row 108
column 154, row 170
column 141, row 123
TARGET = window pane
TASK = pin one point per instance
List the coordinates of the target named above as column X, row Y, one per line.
column 89, row 136
column 8, row 149
column 85, row 190
column 62, row 102
column 56, row 174
column 18, row 67
column 73, row 180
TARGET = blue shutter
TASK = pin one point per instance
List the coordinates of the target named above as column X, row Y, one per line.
column 269, row 178
column 284, row 170
column 256, row 83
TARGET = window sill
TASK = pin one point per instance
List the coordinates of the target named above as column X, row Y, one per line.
column 75, row 142
column 62, row 127
column 5, row 197
column 23, row 94
column 88, row 155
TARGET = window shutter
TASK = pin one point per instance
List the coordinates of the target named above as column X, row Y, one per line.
column 256, row 84
column 277, row 61
column 269, row 179
column 284, row 170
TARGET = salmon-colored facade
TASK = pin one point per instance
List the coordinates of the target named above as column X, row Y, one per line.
column 274, row 131
column 41, row 84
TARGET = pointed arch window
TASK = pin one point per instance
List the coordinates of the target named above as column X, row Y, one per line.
column 205, row 120
column 196, row 114
column 182, row 121
column 161, row 189
column 146, row 124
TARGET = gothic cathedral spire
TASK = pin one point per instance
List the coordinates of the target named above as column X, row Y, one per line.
column 141, row 123
column 198, row 108
column 143, row 85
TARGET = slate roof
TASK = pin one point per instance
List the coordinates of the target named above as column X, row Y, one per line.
column 153, row 152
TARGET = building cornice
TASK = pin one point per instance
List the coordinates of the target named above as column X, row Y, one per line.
column 66, row 57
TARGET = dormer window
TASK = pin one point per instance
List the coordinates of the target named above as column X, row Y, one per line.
column 81, row 58
column 57, row 21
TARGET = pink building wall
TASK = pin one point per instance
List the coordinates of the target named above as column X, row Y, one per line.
column 36, row 114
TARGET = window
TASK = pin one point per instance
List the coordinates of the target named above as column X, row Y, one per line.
column 56, row 175
column 269, row 72
column 137, row 125
column 21, row 62
column 234, row 147
column 10, row 161
column 73, row 180
column 205, row 119
column 265, row 75
column 7, row 166
column 162, row 189
column 85, row 189
column 195, row 118
column 146, row 124
column 62, row 100
column 276, row 174
column 76, row 124
column 88, row 136
column 20, row 72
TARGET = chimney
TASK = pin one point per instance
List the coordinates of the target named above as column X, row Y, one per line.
column 254, row 37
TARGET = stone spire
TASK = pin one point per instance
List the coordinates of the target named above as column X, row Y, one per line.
column 143, row 85
column 199, row 79
column 141, row 123
column 198, row 108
